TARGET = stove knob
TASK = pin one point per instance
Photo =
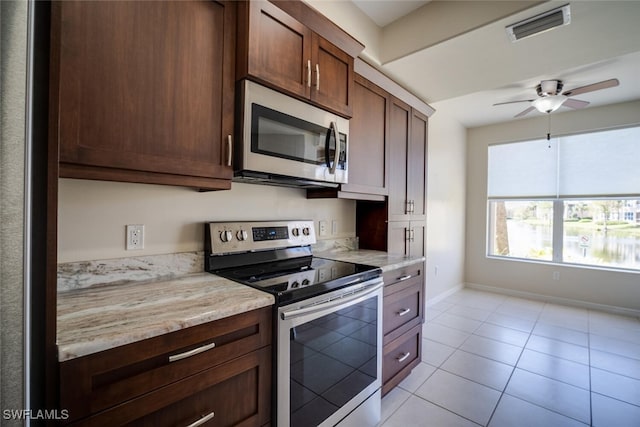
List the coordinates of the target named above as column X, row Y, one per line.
column 242, row 235
column 295, row 284
column 305, row 282
column 226, row 236
column 306, row 231
column 295, row 231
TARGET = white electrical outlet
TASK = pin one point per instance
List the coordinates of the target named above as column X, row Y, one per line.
column 135, row 237
column 322, row 229
column 334, row 227
column 556, row 275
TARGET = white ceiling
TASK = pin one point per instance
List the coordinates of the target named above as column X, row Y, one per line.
column 467, row 73
column 385, row 12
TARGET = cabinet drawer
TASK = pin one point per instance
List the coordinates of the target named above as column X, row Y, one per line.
column 400, row 356
column 96, row 382
column 402, row 310
column 234, row 393
column 400, row 278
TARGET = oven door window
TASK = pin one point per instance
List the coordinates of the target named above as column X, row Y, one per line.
column 280, row 135
column 332, row 359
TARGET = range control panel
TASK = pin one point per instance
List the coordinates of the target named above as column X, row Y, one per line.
column 243, row 236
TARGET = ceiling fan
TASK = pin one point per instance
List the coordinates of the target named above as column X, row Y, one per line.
column 550, row 97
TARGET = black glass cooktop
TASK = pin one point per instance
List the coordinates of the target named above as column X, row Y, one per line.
column 292, row 280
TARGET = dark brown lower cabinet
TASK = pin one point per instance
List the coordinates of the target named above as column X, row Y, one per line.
column 218, row 373
column 402, row 318
column 227, row 395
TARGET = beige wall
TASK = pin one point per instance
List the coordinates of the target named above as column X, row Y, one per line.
column 445, row 205
column 589, row 285
column 93, row 215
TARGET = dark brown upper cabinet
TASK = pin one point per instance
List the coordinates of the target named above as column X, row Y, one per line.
column 368, row 146
column 292, row 48
column 144, row 91
column 407, row 160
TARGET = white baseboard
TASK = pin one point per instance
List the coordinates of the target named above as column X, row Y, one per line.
column 443, row 295
column 556, row 300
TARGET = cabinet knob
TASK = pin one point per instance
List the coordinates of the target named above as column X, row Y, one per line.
column 309, row 73
column 229, row 150
column 317, row 77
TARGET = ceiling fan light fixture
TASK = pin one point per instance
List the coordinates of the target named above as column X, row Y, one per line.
column 549, row 104
column 549, row 87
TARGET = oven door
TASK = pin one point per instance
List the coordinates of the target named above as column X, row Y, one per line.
column 329, row 360
column 285, row 136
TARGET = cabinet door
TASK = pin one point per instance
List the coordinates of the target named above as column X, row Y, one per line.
column 399, row 126
column 398, row 237
column 368, row 136
column 416, row 166
column 279, row 49
column 416, row 242
column 333, row 77
column 406, row 238
column 144, row 87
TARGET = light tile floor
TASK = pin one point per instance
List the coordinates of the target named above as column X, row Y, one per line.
column 499, row 361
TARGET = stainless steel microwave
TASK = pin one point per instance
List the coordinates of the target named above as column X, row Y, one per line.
column 285, row 141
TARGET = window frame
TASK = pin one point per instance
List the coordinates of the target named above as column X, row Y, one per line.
column 558, row 229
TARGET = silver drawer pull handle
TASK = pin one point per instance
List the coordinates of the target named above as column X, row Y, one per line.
column 190, row 353
column 403, row 312
column 408, row 276
column 202, row 420
column 403, row 357
column 229, row 150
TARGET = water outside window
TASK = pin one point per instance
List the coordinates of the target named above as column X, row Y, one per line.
column 602, row 232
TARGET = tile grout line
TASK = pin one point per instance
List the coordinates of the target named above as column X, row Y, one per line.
column 539, row 320
column 515, row 366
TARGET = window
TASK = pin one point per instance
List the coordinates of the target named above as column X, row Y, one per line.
column 574, row 199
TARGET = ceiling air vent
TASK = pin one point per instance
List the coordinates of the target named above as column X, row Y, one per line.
column 539, row 23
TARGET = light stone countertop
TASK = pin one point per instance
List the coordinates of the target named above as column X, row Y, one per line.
column 108, row 303
column 384, row 260
column 102, row 317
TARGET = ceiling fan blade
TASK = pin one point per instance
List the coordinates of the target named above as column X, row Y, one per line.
column 522, row 113
column 592, row 87
column 575, row 103
column 513, row 102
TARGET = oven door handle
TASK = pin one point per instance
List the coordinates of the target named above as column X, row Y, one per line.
column 337, row 301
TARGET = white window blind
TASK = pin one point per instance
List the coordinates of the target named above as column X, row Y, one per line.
column 600, row 164
column 597, row 164
column 523, row 169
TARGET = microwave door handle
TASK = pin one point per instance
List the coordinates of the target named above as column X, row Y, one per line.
column 336, row 156
column 327, row 141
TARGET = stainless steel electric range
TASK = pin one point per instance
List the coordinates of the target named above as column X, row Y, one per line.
column 328, row 329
